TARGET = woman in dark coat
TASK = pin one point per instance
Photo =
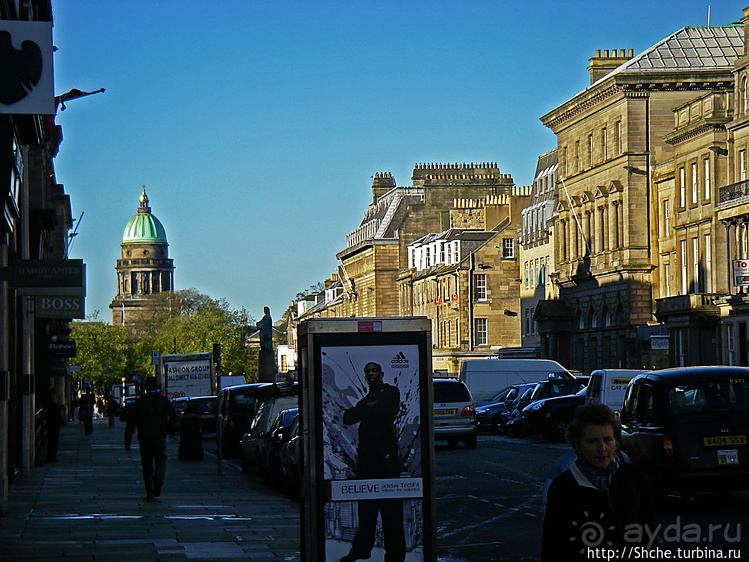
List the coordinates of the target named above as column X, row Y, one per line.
column 599, row 499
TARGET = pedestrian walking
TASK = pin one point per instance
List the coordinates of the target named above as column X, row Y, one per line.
column 113, row 408
column 53, row 420
column 86, row 412
column 152, row 414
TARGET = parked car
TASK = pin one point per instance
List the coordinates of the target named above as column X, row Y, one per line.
column 551, row 416
column 254, row 441
column 688, row 427
column 278, row 434
column 207, row 408
column 512, row 418
column 237, row 406
column 516, row 423
column 608, row 386
column 126, row 405
column 489, row 416
column 454, row 413
column 290, row 459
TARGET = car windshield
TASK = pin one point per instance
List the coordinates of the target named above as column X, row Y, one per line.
column 709, row 395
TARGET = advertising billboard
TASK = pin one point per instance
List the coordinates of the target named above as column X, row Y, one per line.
column 366, row 415
column 188, row 374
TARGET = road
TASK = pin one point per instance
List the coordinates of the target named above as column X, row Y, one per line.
column 489, row 502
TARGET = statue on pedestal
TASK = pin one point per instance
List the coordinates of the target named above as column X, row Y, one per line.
column 266, row 368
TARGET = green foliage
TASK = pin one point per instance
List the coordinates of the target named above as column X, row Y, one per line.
column 177, row 322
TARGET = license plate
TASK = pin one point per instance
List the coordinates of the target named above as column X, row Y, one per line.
column 728, row 456
column 723, row 440
column 444, row 412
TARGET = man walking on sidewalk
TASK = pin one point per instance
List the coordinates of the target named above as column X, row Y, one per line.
column 152, row 414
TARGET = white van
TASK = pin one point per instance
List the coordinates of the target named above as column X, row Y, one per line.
column 486, row 377
column 608, row 386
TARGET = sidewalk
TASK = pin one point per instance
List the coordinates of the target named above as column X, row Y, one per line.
column 91, row 505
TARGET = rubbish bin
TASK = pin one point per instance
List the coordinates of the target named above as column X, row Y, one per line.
column 191, row 435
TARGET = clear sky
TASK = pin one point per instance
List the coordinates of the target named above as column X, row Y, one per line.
column 256, row 126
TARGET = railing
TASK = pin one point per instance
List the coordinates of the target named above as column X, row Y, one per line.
column 684, row 303
column 40, row 434
column 733, row 191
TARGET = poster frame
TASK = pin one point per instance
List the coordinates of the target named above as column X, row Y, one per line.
column 316, row 334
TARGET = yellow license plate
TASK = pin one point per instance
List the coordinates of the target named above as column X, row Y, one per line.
column 724, row 440
column 729, row 456
column 444, row 412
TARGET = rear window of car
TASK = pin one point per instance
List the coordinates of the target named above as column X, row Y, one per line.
column 451, row 391
column 243, row 402
column 708, row 395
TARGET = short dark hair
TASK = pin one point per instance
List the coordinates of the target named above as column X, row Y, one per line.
column 151, row 383
column 592, row 414
column 372, row 365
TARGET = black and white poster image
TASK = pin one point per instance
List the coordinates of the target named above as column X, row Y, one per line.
column 372, row 453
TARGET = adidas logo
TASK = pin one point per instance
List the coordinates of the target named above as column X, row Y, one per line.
column 399, row 360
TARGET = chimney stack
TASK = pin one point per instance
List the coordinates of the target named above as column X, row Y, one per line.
column 381, row 184
column 599, row 66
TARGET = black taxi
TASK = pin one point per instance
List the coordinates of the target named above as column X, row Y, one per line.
column 688, row 427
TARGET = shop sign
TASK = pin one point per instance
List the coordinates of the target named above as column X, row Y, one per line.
column 61, row 307
column 740, row 272
column 26, row 67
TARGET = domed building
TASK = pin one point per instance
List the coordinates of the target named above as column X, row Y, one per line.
column 145, row 268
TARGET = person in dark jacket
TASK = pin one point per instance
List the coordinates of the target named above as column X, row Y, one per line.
column 152, row 414
column 591, row 505
column 53, row 420
column 86, row 412
column 113, row 408
column 377, row 457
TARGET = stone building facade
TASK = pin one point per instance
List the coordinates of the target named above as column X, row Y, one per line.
column 144, row 269
column 466, row 280
column 376, row 251
column 620, row 158
column 537, row 247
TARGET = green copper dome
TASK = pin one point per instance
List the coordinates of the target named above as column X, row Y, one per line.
column 144, row 227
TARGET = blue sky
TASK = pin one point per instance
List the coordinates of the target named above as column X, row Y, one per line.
column 257, row 126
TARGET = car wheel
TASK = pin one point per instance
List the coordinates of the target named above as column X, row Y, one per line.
column 471, row 442
column 496, row 425
column 452, row 443
column 246, row 468
column 556, row 427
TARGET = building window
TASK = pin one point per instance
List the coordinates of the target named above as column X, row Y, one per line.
column 744, row 95
column 508, row 248
column 684, row 280
column 667, row 280
column 604, row 148
column 480, row 331
column 618, row 137
column 577, row 156
column 742, row 164
column 706, row 163
column 696, row 261
column 590, row 151
column 682, row 188
column 694, row 183
column 666, row 218
column 564, row 162
column 527, row 280
column 547, row 270
column 479, row 286
column 708, row 265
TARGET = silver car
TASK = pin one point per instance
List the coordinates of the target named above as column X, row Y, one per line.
column 454, row 414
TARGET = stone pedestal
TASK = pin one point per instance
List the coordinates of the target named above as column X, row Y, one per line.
column 266, row 366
